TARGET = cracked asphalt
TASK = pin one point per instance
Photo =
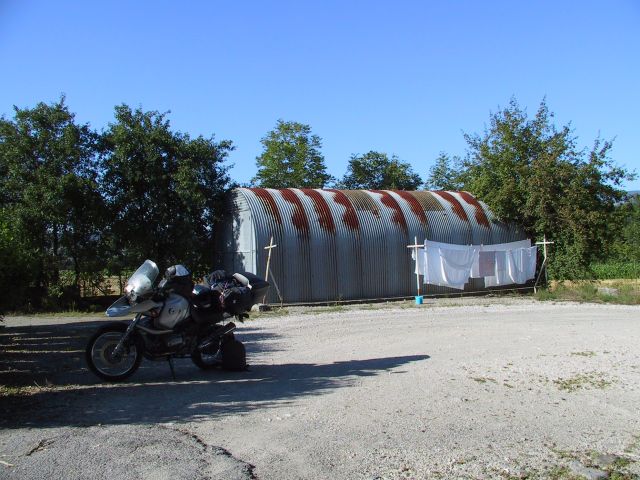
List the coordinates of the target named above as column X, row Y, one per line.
column 479, row 388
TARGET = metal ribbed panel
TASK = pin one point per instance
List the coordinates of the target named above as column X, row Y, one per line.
column 349, row 244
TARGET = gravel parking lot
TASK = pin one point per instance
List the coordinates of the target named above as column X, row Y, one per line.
column 480, row 388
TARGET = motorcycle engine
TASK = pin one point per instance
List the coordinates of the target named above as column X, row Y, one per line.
column 173, row 341
column 166, row 344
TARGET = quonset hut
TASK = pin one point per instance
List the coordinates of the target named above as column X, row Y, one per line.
column 348, row 244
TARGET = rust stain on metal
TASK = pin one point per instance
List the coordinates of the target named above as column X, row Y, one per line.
column 481, row 217
column 388, row 201
column 269, row 203
column 322, row 209
column 427, row 201
column 457, row 206
column 416, row 208
column 299, row 217
column 362, row 201
column 350, row 218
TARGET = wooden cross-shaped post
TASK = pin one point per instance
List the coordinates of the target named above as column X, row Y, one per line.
column 544, row 244
column 269, row 248
column 415, row 247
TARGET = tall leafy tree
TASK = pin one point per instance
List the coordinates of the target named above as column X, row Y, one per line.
column 532, row 173
column 19, row 264
column 443, row 175
column 627, row 246
column 291, row 158
column 163, row 188
column 376, row 171
column 49, row 193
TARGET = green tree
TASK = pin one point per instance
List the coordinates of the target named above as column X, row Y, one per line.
column 376, row 171
column 164, row 190
column 291, row 158
column 627, row 246
column 532, row 173
column 19, row 263
column 444, row 175
column 50, row 202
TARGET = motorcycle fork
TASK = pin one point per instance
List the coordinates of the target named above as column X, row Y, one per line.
column 127, row 333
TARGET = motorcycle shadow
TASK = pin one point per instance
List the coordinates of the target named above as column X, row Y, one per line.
column 68, row 395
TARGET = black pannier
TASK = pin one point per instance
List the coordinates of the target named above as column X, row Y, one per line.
column 234, row 356
column 236, row 300
column 258, row 286
column 236, row 296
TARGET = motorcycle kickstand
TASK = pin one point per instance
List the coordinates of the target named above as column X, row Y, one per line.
column 173, row 372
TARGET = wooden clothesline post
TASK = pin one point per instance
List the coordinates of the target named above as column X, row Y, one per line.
column 415, row 247
column 544, row 244
column 269, row 248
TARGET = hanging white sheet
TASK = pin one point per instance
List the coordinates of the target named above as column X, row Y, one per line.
column 448, row 265
column 501, row 271
column 522, row 264
column 487, row 268
column 515, row 266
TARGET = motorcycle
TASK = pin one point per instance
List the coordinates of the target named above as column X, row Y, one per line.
column 174, row 319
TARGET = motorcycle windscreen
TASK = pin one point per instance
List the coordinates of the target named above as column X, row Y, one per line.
column 141, row 282
column 119, row 308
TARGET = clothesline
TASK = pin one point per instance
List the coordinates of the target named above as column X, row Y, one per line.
column 451, row 265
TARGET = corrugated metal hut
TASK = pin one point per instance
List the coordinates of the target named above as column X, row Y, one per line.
column 348, row 244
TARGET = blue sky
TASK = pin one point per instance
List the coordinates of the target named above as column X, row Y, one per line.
column 404, row 77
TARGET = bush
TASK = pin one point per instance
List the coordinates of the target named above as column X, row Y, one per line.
column 616, row 270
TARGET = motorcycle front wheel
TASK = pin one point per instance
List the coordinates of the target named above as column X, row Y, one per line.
column 102, row 359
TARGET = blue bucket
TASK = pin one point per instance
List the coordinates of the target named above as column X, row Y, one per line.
column 418, row 299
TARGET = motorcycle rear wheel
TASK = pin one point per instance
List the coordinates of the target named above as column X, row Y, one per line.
column 101, row 360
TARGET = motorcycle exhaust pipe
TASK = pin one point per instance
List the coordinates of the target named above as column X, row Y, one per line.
column 221, row 332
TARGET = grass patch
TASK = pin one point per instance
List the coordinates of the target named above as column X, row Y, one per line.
column 561, row 473
column 583, row 381
column 622, row 476
column 273, row 313
column 564, row 454
column 634, row 445
column 484, row 379
column 327, row 309
column 628, row 292
column 12, row 391
column 586, row 353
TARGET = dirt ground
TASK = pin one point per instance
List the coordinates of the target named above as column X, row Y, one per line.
column 476, row 388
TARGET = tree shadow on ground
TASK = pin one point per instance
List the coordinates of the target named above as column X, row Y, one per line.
column 78, row 399
column 53, row 355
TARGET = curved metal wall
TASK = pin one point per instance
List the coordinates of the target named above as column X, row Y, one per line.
column 349, row 244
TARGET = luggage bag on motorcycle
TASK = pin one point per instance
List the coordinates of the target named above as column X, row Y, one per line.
column 234, row 356
column 258, row 286
column 237, row 300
